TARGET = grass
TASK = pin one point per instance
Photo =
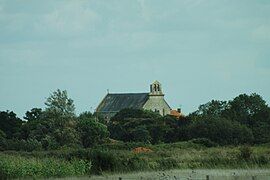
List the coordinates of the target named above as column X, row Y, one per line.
column 119, row 158
column 18, row 166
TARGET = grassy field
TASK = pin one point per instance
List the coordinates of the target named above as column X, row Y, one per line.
column 121, row 158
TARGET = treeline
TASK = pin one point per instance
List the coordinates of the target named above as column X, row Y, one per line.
column 243, row 120
column 55, row 127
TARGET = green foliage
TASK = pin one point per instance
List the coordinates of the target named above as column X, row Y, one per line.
column 252, row 111
column 23, row 145
column 141, row 134
column 21, row 167
column 212, row 108
column 2, row 140
column 59, row 104
column 204, row 141
column 86, row 115
column 167, row 163
column 245, row 152
column 103, row 161
column 10, row 124
column 33, row 115
column 245, row 119
column 137, row 129
column 220, row 130
column 247, row 114
column 91, row 132
column 117, row 158
column 142, row 126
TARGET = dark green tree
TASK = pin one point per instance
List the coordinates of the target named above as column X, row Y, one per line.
column 10, row 124
column 252, row 111
column 212, row 108
column 133, row 124
column 91, row 131
column 33, row 114
column 220, row 130
column 141, row 134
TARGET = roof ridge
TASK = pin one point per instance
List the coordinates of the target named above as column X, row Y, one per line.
column 125, row 93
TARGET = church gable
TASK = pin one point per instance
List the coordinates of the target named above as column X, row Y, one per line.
column 156, row 101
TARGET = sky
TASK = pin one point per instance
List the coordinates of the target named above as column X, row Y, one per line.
column 198, row 49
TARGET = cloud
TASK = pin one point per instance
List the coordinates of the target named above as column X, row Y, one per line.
column 144, row 11
column 70, row 17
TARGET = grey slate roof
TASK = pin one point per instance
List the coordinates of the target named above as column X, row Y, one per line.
column 117, row 102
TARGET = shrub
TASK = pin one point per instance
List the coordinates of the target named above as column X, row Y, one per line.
column 245, row 152
column 167, row 163
column 91, row 132
column 262, row 160
column 23, row 145
column 2, row 140
column 204, row 141
column 103, row 161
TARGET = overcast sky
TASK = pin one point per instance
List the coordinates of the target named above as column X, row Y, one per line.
column 198, row 49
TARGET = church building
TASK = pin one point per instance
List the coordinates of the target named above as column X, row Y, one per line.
column 154, row 101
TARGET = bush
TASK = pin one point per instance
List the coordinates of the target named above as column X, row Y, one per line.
column 23, row 145
column 136, row 163
column 245, row 153
column 204, row 141
column 92, row 132
column 103, row 161
column 2, row 140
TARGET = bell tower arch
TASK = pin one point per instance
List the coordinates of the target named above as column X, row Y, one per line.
column 156, row 89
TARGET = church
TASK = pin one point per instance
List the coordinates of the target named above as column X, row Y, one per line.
column 154, row 101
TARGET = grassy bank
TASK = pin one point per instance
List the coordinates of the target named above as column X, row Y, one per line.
column 120, row 158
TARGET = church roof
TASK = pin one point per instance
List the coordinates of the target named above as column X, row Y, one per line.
column 117, row 102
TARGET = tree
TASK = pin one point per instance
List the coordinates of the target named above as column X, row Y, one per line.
column 141, row 125
column 141, row 134
column 34, row 114
column 10, row 124
column 85, row 115
column 220, row 130
column 252, row 111
column 54, row 127
column 91, row 131
column 59, row 103
column 212, row 108
column 248, row 109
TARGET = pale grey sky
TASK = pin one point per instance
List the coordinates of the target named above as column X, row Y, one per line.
column 198, row 49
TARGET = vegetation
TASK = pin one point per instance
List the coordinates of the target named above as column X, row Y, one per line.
column 121, row 157
column 18, row 166
column 219, row 134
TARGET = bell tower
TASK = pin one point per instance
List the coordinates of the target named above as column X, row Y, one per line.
column 155, row 89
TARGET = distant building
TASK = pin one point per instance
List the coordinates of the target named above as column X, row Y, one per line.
column 176, row 113
column 154, row 101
